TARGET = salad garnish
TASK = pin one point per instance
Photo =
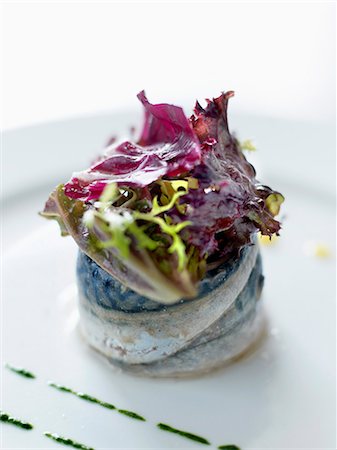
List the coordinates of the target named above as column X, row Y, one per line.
column 158, row 213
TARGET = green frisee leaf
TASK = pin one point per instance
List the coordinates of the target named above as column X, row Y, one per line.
column 118, row 227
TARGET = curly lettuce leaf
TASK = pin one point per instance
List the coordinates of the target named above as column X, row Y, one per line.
column 230, row 205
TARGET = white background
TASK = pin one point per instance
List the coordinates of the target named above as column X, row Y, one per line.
column 64, row 59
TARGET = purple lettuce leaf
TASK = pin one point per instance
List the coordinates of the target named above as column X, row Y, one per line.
column 167, row 147
column 230, row 205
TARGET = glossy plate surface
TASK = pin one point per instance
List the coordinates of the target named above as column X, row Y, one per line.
column 281, row 396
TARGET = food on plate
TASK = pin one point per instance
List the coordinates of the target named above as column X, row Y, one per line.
column 169, row 270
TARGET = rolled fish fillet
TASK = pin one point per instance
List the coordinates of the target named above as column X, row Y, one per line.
column 193, row 336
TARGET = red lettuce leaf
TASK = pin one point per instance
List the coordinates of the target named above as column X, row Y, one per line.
column 167, row 147
column 230, row 205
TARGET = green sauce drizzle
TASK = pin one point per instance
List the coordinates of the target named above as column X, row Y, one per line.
column 91, row 399
column 228, row 447
column 20, row 371
column 185, row 434
column 81, row 395
column 17, row 422
column 27, row 426
column 131, row 414
column 65, row 441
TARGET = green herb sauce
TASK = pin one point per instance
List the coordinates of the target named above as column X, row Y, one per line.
column 91, row 399
column 17, row 422
column 61, row 440
column 25, row 373
column 20, row 371
column 81, row 395
column 185, row 434
column 228, row 447
column 131, row 414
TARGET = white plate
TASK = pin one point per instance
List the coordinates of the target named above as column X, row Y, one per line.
column 281, row 396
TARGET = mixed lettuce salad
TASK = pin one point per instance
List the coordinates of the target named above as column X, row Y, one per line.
column 160, row 212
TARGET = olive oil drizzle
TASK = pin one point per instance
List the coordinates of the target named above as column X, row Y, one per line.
column 20, row 371
column 14, row 421
column 65, row 441
column 185, row 434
